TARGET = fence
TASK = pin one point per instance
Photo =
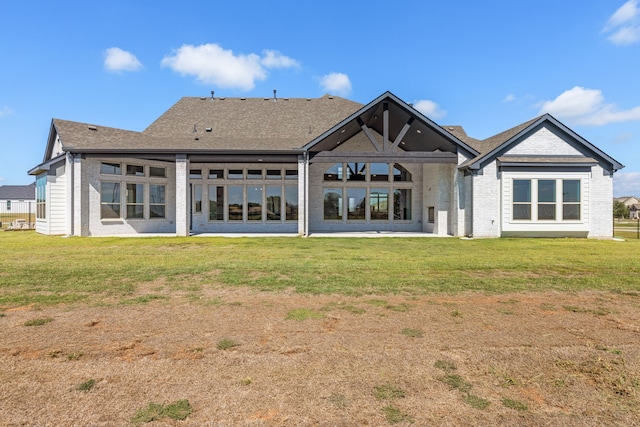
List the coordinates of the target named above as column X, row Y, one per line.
column 17, row 214
column 626, row 228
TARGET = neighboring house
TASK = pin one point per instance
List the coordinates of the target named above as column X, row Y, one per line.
column 632, row 203
column 17, row 206
column 302, row 166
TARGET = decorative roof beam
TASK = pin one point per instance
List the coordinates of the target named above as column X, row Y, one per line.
column 402, row 133
column 367, row 132
column 385, row 126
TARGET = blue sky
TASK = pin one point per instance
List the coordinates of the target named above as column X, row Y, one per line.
column 487, row 66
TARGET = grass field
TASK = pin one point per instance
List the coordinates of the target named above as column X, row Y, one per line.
column 319, row 331
column 49, row 270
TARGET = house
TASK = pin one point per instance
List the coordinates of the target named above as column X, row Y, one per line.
column 632, row 203
column 328, row 164
column 17, row 206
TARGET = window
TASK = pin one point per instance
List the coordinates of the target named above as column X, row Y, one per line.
column 379, row 171
column 41, row 196
column 135, row 201
column 356, row 171
column 400, row 174
column 274, row 174
column 156, row 201
column 291, row 202
column 522, row 199
column 332, row 203
column 402, row 204
column 157, row 172
column 195, row 173
column 216, row 173
column 110, row 169
column 356, row 206
column 334, row 173
column 235, row 174
column 216, row 203
column 254, row 174
column 291, row 174
column 571, row 199
column 274, row 203
column 547, row 199
column 539, row 200
column 135, row 170
column 197, row 199
column 109, row 200
column 8, row 205
column 379, row 203
column 235, row 194
column 254, row 203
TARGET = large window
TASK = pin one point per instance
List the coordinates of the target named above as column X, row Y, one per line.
column 367, row 197
column 546, row 199
column 135, row 201
column 196, row 197
column 156, row 201
column 137, row 181
column 256, row 193
column 110, row 200
column 291, row 202
column 41, row 196
column 235, row 194
column 216, row 203
column 332, row 203
column 402, row 204
column 379, row 203
column 254, row 203
column 274, row 203
column 538, row 199
column 521, row 199
column 356, row 206
column 571, row 199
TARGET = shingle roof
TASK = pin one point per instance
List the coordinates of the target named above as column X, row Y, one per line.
column 218, row 124
column 18, row 192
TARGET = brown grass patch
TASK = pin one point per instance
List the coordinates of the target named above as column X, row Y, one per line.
column 565, row 367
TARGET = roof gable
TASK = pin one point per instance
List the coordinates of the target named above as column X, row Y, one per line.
column 391, row 123
column 501, row 143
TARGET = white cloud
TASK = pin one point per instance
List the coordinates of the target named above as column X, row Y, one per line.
column 624, row 24
column 625, row 36
column 117, row 60
column 274, row 59
column 509, row 98
column 429, row 109
column 626, row 184
column 336, row 83
column 5, row 111
column 587, row 107
column 211, row 64
column 2, row 178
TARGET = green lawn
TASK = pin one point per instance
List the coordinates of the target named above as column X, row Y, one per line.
column 50, row 270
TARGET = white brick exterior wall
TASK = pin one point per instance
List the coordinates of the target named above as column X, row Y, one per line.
column 486, row 202
column 601, row 204
column 544, row 142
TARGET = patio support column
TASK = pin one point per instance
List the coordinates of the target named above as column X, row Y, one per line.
column 182, row 195
column 303, row 189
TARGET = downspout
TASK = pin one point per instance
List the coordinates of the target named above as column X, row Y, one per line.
column 306, row 194
column 71, row 196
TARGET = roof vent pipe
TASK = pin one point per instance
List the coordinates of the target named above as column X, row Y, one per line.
column 274, row 95
column 212, row 95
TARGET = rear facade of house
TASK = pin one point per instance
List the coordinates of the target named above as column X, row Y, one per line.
column 308, row 165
